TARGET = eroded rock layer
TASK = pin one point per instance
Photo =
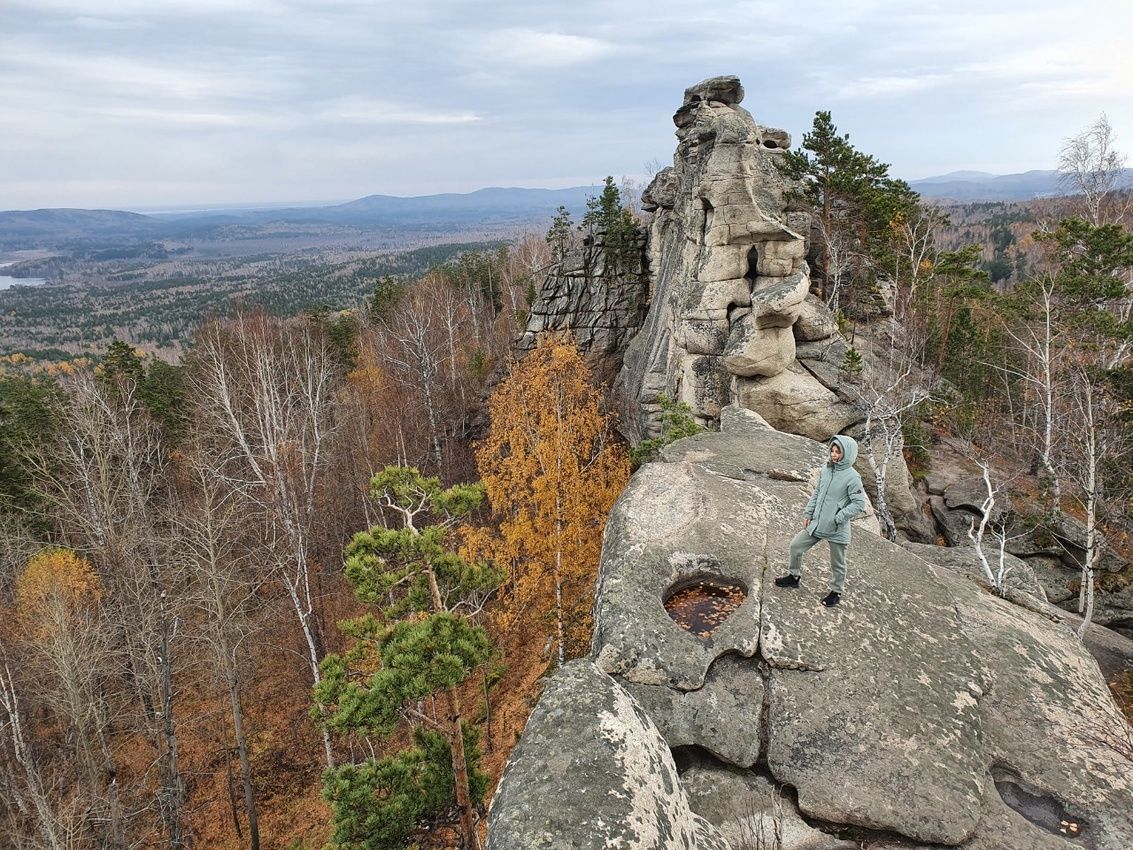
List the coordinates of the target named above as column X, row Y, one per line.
column 600, row 304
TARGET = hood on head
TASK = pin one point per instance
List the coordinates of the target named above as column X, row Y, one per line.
column 849, row 448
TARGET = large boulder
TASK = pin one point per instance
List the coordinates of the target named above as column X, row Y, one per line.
column 592, row 772
column 954, row 525
column 796, row 402
column 816, row 321
column 1056, row 547
column 970, row 493
column 921, row 711
column 1070, row 533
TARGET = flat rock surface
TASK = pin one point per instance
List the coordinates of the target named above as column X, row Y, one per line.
column 675, row 522
column 922, row 711
column 879, row 682
column 1049, row 716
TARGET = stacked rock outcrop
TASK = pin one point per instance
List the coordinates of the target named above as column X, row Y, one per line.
column 599, row 303
column 921, row 712
column 730, row 282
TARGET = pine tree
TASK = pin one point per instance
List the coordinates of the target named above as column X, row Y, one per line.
column 559, row 235
column 607, row 214
column 677, row 422
column 856, row 200
column 421, row 644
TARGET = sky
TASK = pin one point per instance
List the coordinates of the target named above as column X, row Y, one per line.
column 128, row 104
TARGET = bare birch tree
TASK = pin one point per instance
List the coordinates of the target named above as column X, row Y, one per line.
column 1092, row 443
column 23, row 782
column 1039, row 340
column 210, row 536
column 888, row 392
column 265, row 391
column 415, row 357
column 996, row 576
column 1092, row 167
column 104, row 477
column 915, row 253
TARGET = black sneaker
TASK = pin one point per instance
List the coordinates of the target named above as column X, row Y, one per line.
column 831, row 599
column 787, row 581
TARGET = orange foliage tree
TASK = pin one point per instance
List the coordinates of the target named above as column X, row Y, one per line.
column 552, row 467
column 56, row 587
column 58, row 599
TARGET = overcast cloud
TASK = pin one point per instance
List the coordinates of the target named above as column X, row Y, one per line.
column 133, row 103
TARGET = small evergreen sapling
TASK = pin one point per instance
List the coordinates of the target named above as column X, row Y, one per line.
column 676, row 422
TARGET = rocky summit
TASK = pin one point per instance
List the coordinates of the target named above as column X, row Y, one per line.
column 921, row 712
column 727, row 256
column 718, row 310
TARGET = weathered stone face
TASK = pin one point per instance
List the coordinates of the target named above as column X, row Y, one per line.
column 601, row 306
column 921, row 709
column 730, row 280
column 592, row 772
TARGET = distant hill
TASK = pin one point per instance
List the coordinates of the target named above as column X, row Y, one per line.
column 960, row 176
column 981, row 186
column 40, row 228
column 481, row 203
column 65, row 224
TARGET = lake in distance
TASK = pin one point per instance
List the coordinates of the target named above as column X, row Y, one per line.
column 6, row 281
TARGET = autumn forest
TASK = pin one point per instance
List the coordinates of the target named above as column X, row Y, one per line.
column 299, row 588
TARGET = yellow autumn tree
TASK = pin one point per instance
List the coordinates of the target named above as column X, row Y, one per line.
column 552, row 467
column 55, row 589
column 68, row 646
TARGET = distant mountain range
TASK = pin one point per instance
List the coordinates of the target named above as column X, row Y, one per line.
column 31, row 228
column 494, row 206
column 981, row 186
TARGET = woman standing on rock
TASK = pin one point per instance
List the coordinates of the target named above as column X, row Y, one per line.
column 838, row 498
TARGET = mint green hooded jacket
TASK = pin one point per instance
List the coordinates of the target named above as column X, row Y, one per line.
column 839, row 496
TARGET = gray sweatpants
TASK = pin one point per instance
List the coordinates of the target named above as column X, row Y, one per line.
column 803, row 541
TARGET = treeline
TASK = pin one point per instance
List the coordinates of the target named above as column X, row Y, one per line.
column 183, row 654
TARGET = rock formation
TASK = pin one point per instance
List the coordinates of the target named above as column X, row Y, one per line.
column 730, row 316
column 600, row 305
column 730, row 282
column 921, row 711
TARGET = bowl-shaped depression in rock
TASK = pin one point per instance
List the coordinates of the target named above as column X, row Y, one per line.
column 701, row 604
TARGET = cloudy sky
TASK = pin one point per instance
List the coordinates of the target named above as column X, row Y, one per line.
column 135, row 103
